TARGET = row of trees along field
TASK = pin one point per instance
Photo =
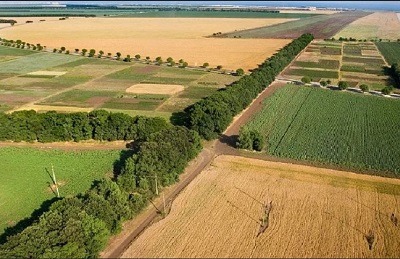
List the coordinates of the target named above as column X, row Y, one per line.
column 212, row 115
column 98, row 125
column 79, row 227
column 395, row 73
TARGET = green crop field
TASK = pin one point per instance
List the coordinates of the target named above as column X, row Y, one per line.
column 312, row 73
column 26, row 181
column 322, row 63
column 390, row 50
column 332, row 127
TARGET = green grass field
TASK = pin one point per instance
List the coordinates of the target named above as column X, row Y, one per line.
column 26, row 181
column 390, row 50
column 323, row 63
column 313, row 73
column 332, row 127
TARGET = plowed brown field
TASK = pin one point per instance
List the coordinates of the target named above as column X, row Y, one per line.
column 166, row 37
column 315, row 213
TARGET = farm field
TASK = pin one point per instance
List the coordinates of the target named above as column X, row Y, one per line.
column 390, row 51
column 315, row 213
column 354, row 62
column 322, row 27
column 122, row 12
column 27, row 184
column 68, row 83
column 378, row 25
column 332, row 127
column 144, row 36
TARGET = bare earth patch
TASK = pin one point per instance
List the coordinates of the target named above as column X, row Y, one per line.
column 155, row 89
column 315, row 213
column 47, row 73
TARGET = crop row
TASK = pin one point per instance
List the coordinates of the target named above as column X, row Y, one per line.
column 331, row 127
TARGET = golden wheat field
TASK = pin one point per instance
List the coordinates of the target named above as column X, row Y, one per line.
column 179, row 38
column 315, row 213
column 384, row 25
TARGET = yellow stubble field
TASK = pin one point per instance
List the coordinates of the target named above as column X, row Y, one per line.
column 179, row 38
column 315, row 213
column 384, row 25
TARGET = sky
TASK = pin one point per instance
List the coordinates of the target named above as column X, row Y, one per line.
column 371, row 5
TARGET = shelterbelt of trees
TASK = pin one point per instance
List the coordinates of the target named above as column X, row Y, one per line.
column 395, row 71
column 98, row 125
column 80, row 226
column 212, row 115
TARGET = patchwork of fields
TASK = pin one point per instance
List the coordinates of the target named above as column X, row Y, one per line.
column 27, row 182
column 354, row 62
column 180, row 38
column 315, row 213
column 74, row 83
column 332, row 127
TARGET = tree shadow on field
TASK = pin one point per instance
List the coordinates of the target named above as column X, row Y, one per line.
column 123, row 156
column 28, row 221
column 229, row 140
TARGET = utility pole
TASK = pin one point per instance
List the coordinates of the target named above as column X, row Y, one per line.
column 55, row 181
column 155, row 177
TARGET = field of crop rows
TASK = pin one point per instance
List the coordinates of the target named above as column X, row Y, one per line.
column 332, row 127
column 390, row 50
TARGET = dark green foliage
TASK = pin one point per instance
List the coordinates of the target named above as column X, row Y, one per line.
column 164, row 155
column 99, row 125
column 239, row 72
column 251, row 139
column 212, row 115
column 395, row 73
column 364, row 87
column 343, row 85
column 306, row 79
column 387, row 90
column 65, row 231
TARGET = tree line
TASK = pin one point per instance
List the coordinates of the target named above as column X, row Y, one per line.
column 51, row 126
column 79, row 226
column 212, row 115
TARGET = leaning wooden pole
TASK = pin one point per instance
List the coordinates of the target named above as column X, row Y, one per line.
column 55, row 181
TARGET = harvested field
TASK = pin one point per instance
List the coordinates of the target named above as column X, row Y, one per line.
column 47, row 73
column 322, row 27
column 379, row 25
column 315, row 213
column 155, row 89
column 144, row 36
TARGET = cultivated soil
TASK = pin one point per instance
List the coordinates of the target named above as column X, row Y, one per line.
column 315, row 213
column 180, row 38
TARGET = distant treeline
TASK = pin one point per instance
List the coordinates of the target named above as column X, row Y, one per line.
column 79, row 227
column 47, row 15
column 7, row 21
column 212, row 115
column 98, row 125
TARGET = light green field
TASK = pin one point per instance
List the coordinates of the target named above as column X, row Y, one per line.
column 26, row 181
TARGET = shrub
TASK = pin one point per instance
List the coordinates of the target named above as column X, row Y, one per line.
column 239, row 72
column 343, row 85
column 306, row 79
column 364, row 87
